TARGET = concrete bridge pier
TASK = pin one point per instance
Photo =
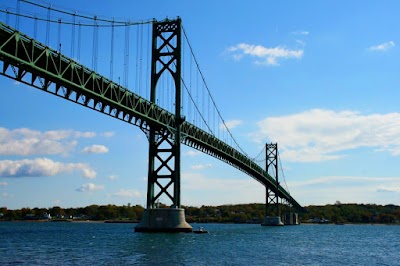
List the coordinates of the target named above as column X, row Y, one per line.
column 295, row 218
column 170, row 220
column 272, row 221
column 290, row 218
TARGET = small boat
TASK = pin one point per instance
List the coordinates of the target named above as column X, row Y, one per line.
column 200, row 231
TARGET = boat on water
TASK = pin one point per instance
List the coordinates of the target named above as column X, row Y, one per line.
column 200, row 231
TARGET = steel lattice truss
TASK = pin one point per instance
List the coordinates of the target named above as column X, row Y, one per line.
column 28, row 61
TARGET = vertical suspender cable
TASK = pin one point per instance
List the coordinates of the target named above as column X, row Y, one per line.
column 17, row 16
column 137, row 62
column 73, row 37
column 140, row 56
column 59, row 36
column 148, row 45
column 95, row 44
column 112, row 51
column 79, row 41
column 126, row 51
column 183, row 76
column 202, row 102
column 197, row 97
column 48, row 26
column 35, row 28
column 7, row 17
column 190, row 86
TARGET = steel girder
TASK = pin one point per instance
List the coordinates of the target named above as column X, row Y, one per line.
column 33, row 63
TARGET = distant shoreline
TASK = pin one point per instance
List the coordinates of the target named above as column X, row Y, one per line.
column 71, row 221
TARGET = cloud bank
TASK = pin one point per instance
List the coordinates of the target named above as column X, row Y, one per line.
column 319, row 135
column 42, row 167
column 24, row 141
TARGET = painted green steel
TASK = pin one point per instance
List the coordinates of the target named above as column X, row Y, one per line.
column 166, row 60
column 31, row 62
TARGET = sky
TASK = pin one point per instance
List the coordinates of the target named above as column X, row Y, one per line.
column 320, row 78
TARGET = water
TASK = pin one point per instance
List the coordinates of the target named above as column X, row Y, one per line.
column 29, row 243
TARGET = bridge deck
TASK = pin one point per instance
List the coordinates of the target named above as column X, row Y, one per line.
column 55, row 73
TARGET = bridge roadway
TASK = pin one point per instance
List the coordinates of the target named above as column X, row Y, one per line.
column 33, row 63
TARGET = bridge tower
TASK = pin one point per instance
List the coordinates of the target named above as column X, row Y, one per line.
column 164, row 144
column 272, row 194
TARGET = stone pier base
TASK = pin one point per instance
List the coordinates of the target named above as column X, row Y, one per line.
column 272, row 221
column 163, row 220
column 290, row 218
column 296, row 219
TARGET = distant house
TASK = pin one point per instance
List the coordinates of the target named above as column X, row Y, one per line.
column 46, row 216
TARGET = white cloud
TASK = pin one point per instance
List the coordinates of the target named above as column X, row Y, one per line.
column 382, row 47
column 112, row 177
column 319, row 135
column 108, row 134
column 264, row 55
column 95, row 149
column 42, row 167
column 304, row 33
column 230, row 124
column 3, row 184
column 128, row 193
column 389, row 189
column 90, row 187
column 201, row 166
column 24, row 141
column 192, row 153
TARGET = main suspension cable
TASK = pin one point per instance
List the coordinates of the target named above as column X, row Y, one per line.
column 209, row 93
column 283, row 174
column 49, row 20
column 123, row 23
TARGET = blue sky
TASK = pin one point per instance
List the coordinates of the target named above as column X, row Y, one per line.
column 318, row 77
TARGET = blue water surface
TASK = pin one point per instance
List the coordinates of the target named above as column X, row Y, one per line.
column 50, row 243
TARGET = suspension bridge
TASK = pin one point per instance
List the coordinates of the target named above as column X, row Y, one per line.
column 166, row 95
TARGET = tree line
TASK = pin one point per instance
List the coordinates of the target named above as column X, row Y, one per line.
column 241, row 213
